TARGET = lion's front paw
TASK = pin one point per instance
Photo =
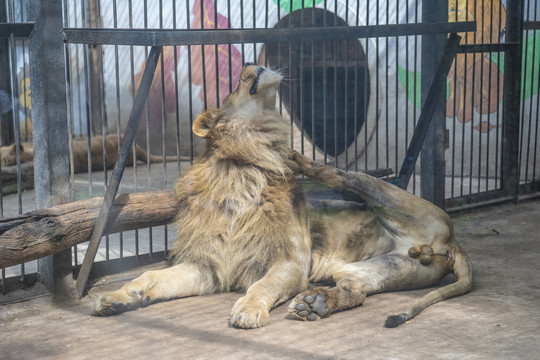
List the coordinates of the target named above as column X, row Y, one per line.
column 119, row 301
column 248, row 314
column 311, row 305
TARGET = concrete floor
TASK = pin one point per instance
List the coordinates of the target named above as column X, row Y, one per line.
column 499, row 319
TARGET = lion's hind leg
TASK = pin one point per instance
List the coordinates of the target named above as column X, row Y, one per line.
column 357, row 280
column 460, row 266
column 173, row 282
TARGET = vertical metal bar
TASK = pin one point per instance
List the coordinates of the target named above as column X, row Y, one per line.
column 432, row 160
column 132, row 81
column 325, row 150
column 481, row 92
column 512, row 97
column 473, row 95
column 396, row 131
column 254, row 26
column 529, row 126
column 6, row 120
column 489, row 101
column 387, row 90
column 147, row 134
column 118, row 127
column 242, row 27
column 523, row 89
column 51, row 163
column 300, row 87
column 16, row 129
column 94, row 67
column 278, row 44
column 163, row 124
column 335, row 44
column 290, row 65
column 230, row 46
column 88, row 101
column 497, row 153
column 177, row 105
column 216, row 53
column 406, row 142
column 366, row 87
column 454, row 119
column 190, row 85
column 355, row 92
column 27, row 135
column 536, row 148
column 377, row 13
column 118, row 170
column 415, row 83
column 313, row 133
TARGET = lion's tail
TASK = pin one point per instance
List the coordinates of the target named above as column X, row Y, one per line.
column 464, row 274
column 143, row 156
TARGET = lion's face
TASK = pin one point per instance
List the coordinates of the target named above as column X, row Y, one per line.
column 247, row 128
column 257, row 87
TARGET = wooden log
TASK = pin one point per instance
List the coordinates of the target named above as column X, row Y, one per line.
column 44, row 232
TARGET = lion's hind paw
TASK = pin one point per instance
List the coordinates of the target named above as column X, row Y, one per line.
column 308, row 306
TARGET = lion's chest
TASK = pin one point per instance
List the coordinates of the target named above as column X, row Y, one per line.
column 237, row 235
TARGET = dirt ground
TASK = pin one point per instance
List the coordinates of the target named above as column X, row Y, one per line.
column 499, row 319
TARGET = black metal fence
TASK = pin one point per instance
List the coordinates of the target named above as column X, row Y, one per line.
column 356, row 77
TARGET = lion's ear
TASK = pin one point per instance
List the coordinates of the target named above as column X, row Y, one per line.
column 13, row 149
column 204, row 122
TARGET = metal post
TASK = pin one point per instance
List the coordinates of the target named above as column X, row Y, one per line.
column 95, row 70
column 432, row 157
column 50, row 135
column 512, row 98
column 6, row 120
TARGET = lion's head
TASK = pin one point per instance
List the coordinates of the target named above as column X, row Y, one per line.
column 247, row 129
column 8, row 154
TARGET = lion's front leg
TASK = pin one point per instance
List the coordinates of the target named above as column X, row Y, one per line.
column 282, row 282
column 176, row 281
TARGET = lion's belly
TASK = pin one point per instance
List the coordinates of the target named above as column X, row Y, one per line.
column 345, row 234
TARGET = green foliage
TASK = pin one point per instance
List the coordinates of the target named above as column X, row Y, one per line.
column 407, row 82
column 296, row 4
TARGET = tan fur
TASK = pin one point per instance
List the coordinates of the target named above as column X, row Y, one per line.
column 80, row 154
column 8, row 154
column 243, row 224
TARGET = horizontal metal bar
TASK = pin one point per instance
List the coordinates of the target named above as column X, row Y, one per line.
column 531, row 25
column 115, row 266
column 161, row 37
column 19, row 30
column 472, row 48
column 489, row 198
column 475, row 201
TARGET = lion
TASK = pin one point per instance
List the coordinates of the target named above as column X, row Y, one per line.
column 8, row 154
column 244, row 225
